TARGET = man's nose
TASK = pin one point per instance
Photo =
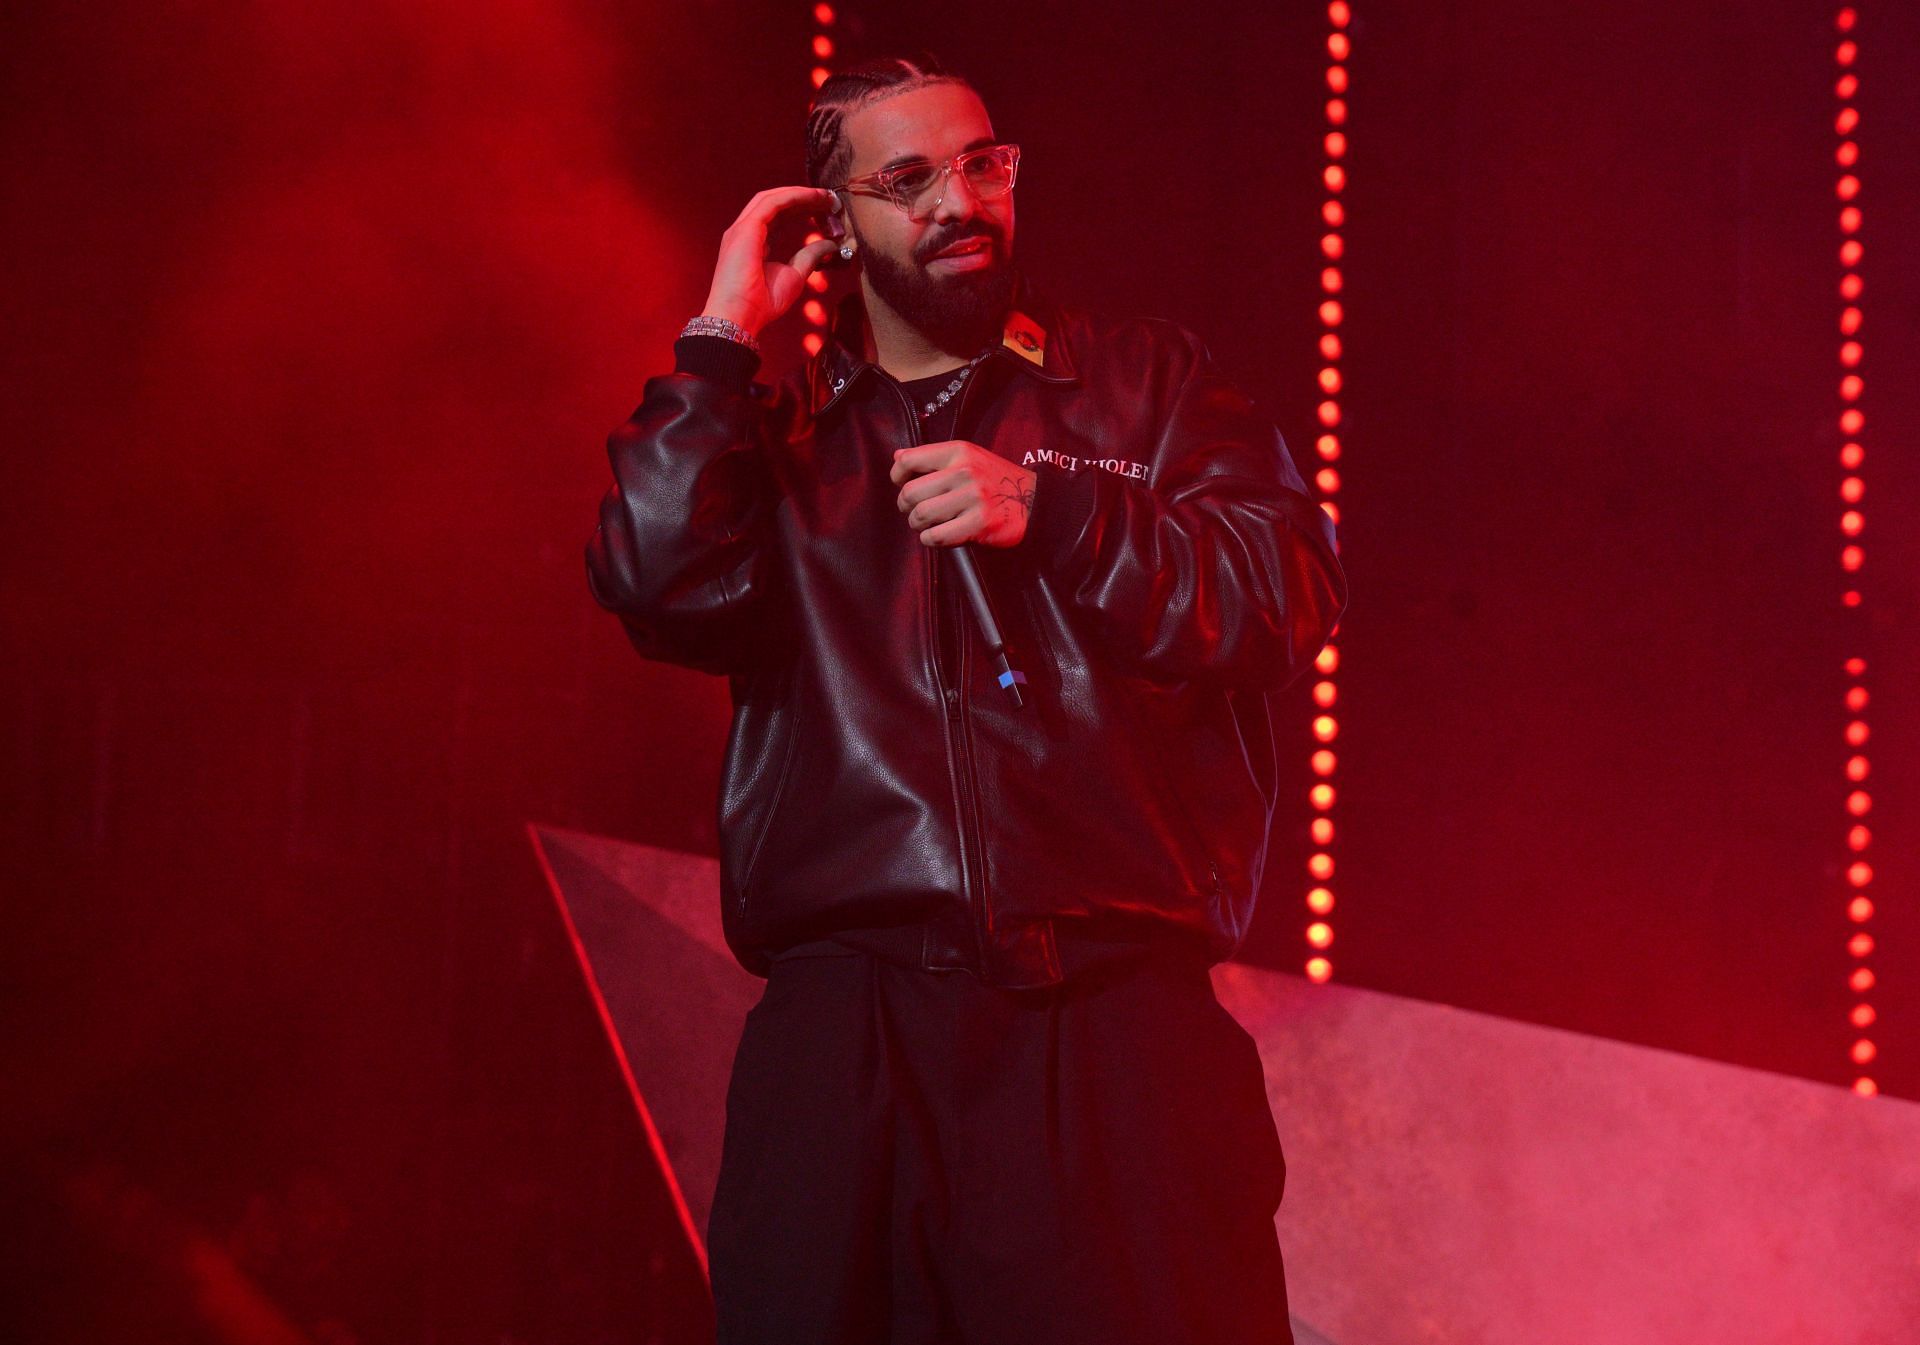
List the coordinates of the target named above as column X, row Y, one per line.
column 957, row 201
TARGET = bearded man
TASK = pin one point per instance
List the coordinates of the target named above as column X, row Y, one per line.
column 1004, row 591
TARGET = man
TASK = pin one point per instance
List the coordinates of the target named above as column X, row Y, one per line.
column 988, row 1094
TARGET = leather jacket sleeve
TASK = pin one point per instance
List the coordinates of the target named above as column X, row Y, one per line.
column 1223, row 570
column 679, row 552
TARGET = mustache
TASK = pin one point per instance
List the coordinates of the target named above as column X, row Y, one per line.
column 938, row 245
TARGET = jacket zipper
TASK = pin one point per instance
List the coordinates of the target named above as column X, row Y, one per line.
column 953, row 696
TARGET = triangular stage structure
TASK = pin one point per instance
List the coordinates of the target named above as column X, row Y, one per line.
column 1453, row 1178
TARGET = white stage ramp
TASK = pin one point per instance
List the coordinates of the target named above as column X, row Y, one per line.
column 1452, row 1178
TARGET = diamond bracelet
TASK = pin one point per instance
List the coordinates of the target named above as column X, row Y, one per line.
column 712, row 326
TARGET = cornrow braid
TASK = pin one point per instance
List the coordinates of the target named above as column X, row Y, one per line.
column 829, row 156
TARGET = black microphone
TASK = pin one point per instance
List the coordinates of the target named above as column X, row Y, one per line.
column 1010, row 678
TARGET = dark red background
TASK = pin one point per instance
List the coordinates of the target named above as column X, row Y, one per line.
column 320, row 320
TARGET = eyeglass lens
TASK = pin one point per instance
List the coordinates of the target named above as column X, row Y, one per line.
column 989, row 172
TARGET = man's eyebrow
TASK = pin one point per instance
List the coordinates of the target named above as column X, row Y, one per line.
column 902, row 160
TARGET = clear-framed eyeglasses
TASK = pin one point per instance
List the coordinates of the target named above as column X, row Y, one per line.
column 918, row 188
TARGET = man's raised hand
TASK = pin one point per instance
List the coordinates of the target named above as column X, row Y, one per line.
column 955, row 491
column 748, row 287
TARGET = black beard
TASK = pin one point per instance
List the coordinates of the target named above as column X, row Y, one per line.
column 959, row 312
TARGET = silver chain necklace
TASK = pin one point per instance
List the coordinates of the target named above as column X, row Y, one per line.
column 947, row 393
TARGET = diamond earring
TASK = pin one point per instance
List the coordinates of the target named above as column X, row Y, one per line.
column 846, row 252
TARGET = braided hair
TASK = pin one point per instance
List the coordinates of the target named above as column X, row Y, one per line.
column 829, row 155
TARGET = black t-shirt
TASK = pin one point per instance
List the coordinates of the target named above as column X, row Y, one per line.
column 939, row 425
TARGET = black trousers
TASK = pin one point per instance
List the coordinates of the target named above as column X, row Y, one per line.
column 915, row 1157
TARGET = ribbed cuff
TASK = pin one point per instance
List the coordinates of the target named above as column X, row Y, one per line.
column 716, row 357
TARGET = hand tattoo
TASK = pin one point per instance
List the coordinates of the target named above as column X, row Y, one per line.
column 1013, row 490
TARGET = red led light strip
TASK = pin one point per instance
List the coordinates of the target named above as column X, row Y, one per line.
column 1860, row 979
column 815, row 310
column 1333, row 215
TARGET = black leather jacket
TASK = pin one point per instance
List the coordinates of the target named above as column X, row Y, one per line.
column 1173, row 576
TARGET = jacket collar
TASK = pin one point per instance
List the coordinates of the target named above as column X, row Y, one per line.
column 1031, row 341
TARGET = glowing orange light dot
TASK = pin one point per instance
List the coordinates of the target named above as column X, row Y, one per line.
column 1848, row 119
column 1851, row 456
column 1846, row 52
column 811, row 343
column 815, row 237
column 1849, row 321
column 1847, row 155
column 1331, row 245
column 1851, row 285
column 1330, row 313
column 816, row 312
column 1851, row 252
column 1328, row 480
column 1323, row 762
column 1320, row 901
column 1335, row 143
column 1851, row 598
column 1852, row 386
column 1328, row 447
column 1851, row 522
column 1850, row 353
column 822, row 46
column 1863, row 1051
column 1329, row 346
column 823, row 14
column 1327, row 659
column 1321, row 796
column 1856, row 769
column 1338, row 14
column 1847, row 187
column 1325, row 693
column 819, row 75
column 1321, row 829
column 1861, row 981
column 1329, row 380
column 1859, row 803
column 1325, row 729
column 1329, row 414
column 1851, row 558
column 1852, row 421
column 1856, row 698
column 1858, row 838
column 1320, row 865
column 1856, row 733
column 1862, row 1015
column 1865, row 1087
column 1333, row 213
column 1847, row 86
column 1860, row 873
column 1338, row 46
column 1334, row 176
column 1319, row 970
column 1845, row 19
column 1320, row 934
column 1851, row 489
column 1861, row 944
column 1855, row 666
column 1850, row 219
column 1330, row 279
column 1337, row 78
column 1332, row 511
column 817, row 280
column 1337, row 111
column 1860, row 910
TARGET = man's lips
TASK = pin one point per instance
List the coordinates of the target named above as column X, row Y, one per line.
column 977, row 244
